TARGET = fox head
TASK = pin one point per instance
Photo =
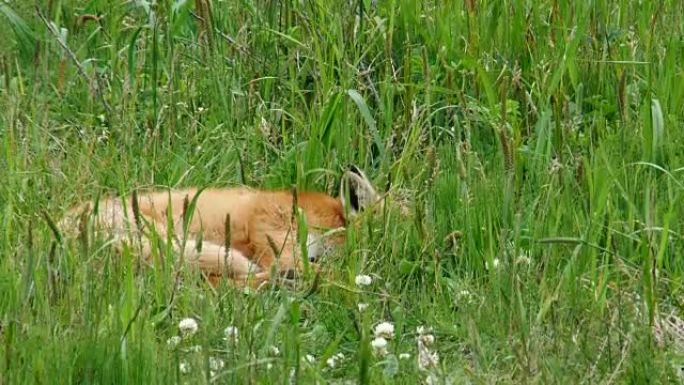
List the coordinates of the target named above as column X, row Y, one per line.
column 357, row 192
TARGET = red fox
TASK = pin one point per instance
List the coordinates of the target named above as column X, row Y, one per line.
column 263, row 229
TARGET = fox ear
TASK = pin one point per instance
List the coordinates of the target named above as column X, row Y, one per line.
column 356, row 190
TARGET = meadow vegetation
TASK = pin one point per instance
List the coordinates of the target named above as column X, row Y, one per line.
column 533, row 152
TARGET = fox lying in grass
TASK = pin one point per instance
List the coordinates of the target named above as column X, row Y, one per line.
column 259, row 226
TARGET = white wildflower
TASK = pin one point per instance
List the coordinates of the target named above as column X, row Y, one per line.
column 495, row 264
column 363, row 280
column 334, row 360
column 404, row 356
column 269, row 366
column 426, row 339
column 427, row 360
column 173, row 342
column 385, row 330
column 310, row 359
column 188, row 327
column 362, row 306
column 275, row 351
column 463, row 297
column 195, row 349
column 184, row 367
column 379, row 345
column 216, row 364
column 231, row 334
column 523, row 260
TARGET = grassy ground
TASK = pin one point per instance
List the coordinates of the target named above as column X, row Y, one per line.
column 536, row 144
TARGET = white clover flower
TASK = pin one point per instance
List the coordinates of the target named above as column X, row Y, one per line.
column 362, row 306
column 363, row 280
column 195, row 349
column 423, row 330
column 275, row 351
column 404, row 356
column 379, row 345
column 216, row 364
column 184, row 367
column 310, row 359
column 269, row 366
column 231, row 334
column 334, row 360
column 385, row 330
column 188, row 327
column 173, row 342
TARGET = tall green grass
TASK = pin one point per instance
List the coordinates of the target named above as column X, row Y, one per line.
column 534, row 147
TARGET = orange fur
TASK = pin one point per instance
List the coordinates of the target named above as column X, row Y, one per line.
column 263, row 228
